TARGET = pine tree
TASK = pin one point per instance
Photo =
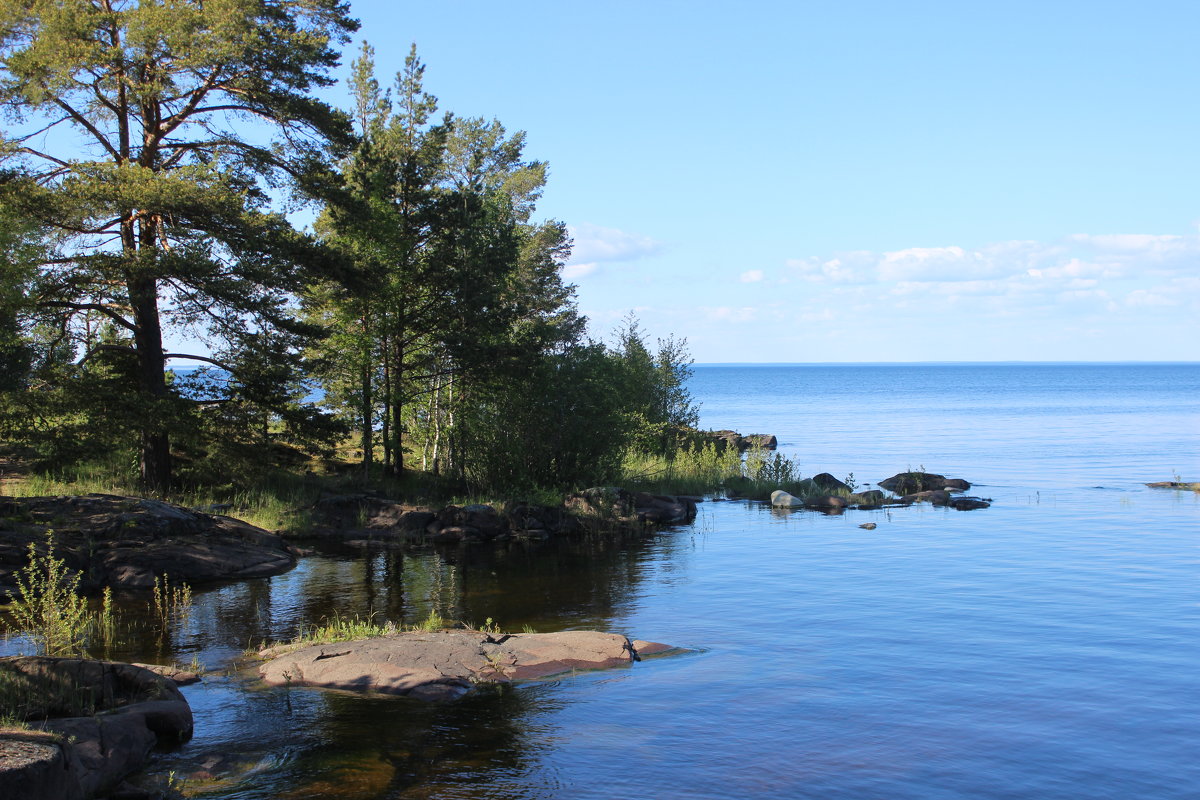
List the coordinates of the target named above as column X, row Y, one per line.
column 153, row 141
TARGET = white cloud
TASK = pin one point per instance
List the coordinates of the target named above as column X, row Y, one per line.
column 1142, row 297
column 571, row 271
column 731, row 314
column 594, row 243
column 853, row 267
column 752, row 276
column 1077, row 263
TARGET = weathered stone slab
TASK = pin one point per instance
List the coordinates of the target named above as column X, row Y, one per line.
column 443, row 664
column 125, row 542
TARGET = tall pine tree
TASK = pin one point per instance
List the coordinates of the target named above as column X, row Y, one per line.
column 153, row 140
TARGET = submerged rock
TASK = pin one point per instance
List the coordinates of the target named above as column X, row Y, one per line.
column 826, row 501
column 969, row 503
column 126, row 542
column 444, row 664
column 1181, row 485
column 940, row 497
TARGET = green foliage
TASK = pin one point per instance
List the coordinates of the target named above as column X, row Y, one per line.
column 558, row 424
column 47, row 605
column 456, row 286
column 777, row 469
column 170, row 602
column 654, row 387
column 349, row 629
column 698, row 470
column 153, row 203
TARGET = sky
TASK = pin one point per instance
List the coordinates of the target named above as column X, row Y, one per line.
column 851, row 181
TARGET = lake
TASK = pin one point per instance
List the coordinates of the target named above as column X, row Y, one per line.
column 1046, row 647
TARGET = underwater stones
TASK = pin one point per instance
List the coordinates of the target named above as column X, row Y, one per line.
column 937, row 497
column 969, row 503
column 826, row 502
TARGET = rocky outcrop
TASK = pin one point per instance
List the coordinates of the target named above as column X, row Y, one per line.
column 726, row 438
column 93, row 723
column 445, row 664
column 356, row 517
column 904, row 483
column 828, row 483
column 125, row 542
column 763, row 441
column 1180, row 485
column 611, row 504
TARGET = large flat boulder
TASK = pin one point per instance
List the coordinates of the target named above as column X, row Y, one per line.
column 126, row 542
column 442, row 664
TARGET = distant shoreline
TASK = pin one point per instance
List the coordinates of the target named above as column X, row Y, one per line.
column 704, row 365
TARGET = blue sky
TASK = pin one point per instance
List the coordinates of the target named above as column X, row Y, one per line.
column 854, row 181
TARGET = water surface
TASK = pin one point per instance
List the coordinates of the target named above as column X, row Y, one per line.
column 1046, row 647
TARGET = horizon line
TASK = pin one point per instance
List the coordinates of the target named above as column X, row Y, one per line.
column 935, row 363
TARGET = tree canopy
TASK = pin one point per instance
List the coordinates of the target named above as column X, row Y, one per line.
column 151, row 144
column 152, row 155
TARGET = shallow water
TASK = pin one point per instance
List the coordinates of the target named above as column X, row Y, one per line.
column 1046, row 647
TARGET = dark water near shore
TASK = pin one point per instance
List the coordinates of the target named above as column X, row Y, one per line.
column 1047, row 647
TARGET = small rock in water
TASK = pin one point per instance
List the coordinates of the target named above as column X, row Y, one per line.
column 869, row 526
column 781, row 499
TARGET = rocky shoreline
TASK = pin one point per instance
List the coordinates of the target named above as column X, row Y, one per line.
column 128, row 542
column 374, row 517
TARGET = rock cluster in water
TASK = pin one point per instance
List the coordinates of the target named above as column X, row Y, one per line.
column 126, row 542
column 826, row 493
column 445, row 664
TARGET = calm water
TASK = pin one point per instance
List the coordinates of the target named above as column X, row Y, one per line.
column 1047, row 647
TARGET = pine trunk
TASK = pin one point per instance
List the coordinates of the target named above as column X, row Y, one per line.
column 155, row 445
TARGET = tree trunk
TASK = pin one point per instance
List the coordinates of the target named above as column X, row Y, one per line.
column 387, row 406
column 398, row 406
column 368, row 433
column 155, row 445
